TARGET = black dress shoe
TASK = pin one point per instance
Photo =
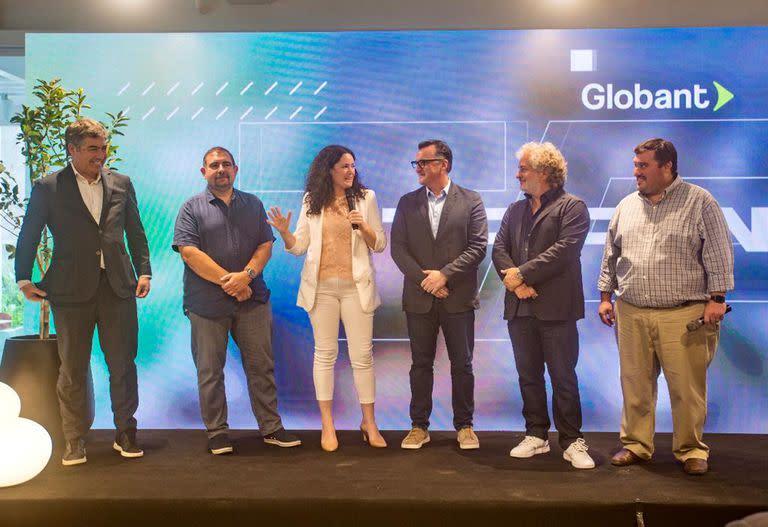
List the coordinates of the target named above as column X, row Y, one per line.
column 125, row 443
column 695, row 466
column 74, row 453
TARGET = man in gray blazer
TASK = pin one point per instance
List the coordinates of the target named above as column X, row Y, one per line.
column 91, row 211
column 439, row 237
column 537, row 253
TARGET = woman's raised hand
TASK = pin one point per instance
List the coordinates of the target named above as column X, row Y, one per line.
column 277, row 220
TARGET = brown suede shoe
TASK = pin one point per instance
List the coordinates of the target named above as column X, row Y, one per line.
column 625, row 457
column 695, row 466
column 467, row 439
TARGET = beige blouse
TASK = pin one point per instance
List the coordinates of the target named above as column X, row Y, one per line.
column 336, row 254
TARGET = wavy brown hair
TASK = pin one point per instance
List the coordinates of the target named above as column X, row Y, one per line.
column 319, row 187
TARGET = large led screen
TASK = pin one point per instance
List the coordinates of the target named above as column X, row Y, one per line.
column 274, row 99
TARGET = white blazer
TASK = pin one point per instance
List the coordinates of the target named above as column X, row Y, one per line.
column 309, row 234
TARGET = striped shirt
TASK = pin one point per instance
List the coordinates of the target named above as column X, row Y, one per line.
column 664, row 255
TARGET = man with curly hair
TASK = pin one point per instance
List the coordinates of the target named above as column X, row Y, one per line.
column 537, row 254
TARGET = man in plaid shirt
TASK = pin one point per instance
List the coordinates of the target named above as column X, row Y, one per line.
column 669, row 259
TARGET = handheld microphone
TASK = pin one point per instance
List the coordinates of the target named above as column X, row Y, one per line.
column 693, row 325
column 351, row 204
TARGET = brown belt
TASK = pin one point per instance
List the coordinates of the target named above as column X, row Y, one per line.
column 688, row 303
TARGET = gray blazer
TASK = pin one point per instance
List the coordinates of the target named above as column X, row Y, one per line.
column 78, row 240
column 457, row 250
column 553, row 262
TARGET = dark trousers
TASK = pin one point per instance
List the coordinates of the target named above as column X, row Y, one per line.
column 459, row 332
column 537, row 343
column 118, row 335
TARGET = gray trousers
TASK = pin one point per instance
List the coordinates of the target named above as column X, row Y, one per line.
column 118, row 335
column 251, row 329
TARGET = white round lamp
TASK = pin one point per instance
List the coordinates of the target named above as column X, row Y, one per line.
column 25, row 446
column 10, row 404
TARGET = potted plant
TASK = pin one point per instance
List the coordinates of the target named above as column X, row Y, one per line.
column 30, row 363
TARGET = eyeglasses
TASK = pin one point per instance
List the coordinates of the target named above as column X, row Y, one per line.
column 424, row 162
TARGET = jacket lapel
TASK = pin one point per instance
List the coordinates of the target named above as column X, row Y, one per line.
column 544, row 213
column 517, row 218
column 423, row 210
column 72, row 188
column 106, row 187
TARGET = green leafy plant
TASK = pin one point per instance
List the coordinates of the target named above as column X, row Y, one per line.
column 42, row 141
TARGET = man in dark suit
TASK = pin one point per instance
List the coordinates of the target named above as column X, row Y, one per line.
column 439, row 237
column 537, row 253
column 90, row 211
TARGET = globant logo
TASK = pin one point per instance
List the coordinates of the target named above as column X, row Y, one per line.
column 596, row 96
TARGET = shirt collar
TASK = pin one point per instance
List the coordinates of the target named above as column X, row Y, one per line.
column 82, row 179
column 443, row 194
column 210, row 197
column 547, row 196
column 671, row 188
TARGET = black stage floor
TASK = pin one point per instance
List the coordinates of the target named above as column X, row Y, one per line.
column 178, row 483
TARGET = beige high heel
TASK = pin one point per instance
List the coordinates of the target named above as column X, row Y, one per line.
column 329, row 446
column 375, row 443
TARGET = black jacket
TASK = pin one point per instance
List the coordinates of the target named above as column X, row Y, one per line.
column 553, row 266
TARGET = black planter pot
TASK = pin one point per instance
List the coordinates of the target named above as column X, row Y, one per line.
column 30, row 366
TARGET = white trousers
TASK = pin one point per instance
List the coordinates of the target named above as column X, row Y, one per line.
column 337, row 300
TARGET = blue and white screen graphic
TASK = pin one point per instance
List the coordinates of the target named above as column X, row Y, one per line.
column 275, row 99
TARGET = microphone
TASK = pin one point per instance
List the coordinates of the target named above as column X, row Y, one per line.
column 693, row 325
column 351, row 204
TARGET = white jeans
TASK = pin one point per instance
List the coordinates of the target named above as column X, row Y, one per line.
column 337, row 300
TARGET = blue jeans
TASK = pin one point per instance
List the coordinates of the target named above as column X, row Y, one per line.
column 537, row 343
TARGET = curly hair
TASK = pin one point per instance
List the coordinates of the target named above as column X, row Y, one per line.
column 319, row 187
column 545, row 157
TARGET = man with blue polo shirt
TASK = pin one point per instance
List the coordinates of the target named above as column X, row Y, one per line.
column 225, row 242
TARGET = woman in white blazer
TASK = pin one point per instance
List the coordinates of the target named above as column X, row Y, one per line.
column 337, row 281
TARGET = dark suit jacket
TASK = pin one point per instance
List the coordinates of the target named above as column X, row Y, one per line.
column 553, row 265
column 78, row 240
column 458, row 249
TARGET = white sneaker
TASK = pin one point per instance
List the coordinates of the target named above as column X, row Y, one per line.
column 577, row 455
column 529, row 447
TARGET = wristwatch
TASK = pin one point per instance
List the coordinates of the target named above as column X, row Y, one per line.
column 717, row 299
column 519, row 276
column 251, row 273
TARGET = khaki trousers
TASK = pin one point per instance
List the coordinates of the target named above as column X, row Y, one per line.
column 653, row 340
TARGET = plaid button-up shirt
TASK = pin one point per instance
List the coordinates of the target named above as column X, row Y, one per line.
column 666, row 254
